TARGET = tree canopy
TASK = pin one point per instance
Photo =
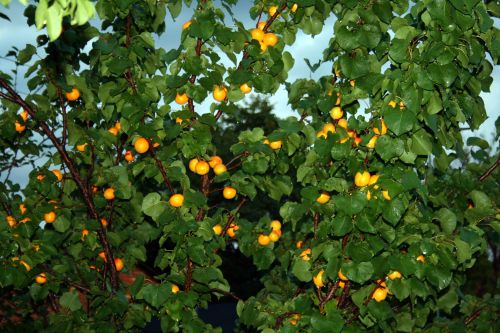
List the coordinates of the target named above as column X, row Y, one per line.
column 362, row 212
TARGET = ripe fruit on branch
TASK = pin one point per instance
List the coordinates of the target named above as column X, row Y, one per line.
column 41, row 278
column 81, row 148
column 49, row 217
column 342, row 123
column 129, row 156
column 181, row 98
column 20, row 128
column 275, row 225
column 336, row 112
column 141, row 145
column 58, row 174
column 392, row 104
column 329, row 127
column 11, row 221
column 342, row 276
column 192, row 164
column 272, row 10
column 275, row 144
column 323, row 198
column 219, row 169
column 294, row 8
column 421, row 258
column 119, row 264
column 214, row 160
column 113, row 130
column 362, row 179
column 270, row 39
column 176, row 200
column 109, row 193
column 275, row 235
column 394, row 275
column 383, row 128
column 174, row 288
column 318, row 279
column 305, row 254
column 229, row 192
column 245, row 88
column 380, row 294
column 202, row 167
column 386, row 195
column 372, row 142
column 264, row 240
column 186, row 24
column 217, row 229
column 219, row 93
column 73, row 95
column 257, row 34
column 373, row 179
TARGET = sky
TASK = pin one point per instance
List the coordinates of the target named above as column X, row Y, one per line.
column 17, row 33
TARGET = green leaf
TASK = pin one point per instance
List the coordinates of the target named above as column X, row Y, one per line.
column 153, row 206
column 394, row 211
column 448, row 220
column 54, row 21
column 399, row 121
column 480, row 199
column 351, row 204
column 341, row 225
column 301, row 269
column 464, row 252
column 421, row 143
column 448, row 301
column 61, row 224
column 70, row 301
column 389, row 148
column 156, row 295
column 358, row 272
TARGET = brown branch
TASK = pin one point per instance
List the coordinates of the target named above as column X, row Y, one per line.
column 189, row 276
column 275, row 16
column 344, row 295
column 232, row 216
column 244, row 154
column 218, row 114
column 490, row 170
column 345, row 240
column 163, row 171
column 473, row 316
column 225, row 293
column 91, row 208
column 53, row 302
column 281, row 318
column 64, row 116
column 316, row 222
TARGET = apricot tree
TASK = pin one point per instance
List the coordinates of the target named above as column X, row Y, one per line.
column 357, row 238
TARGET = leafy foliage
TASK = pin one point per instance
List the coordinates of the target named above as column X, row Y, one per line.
column 419, row 66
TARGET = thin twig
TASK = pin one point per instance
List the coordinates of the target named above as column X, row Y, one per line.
column 490, row 170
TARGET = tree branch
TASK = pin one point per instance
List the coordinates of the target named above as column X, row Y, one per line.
column 490, row 170
column 64, row 116
column 92, row 211
column 163, row 172
column 232, row 216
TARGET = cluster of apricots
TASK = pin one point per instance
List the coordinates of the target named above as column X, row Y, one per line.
column 119, row 263
column 20, row 127
column 364, row 179
column 11, row 220
column 274, row 145
column 202, row 167
column 115, row 130
column 273, row 236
